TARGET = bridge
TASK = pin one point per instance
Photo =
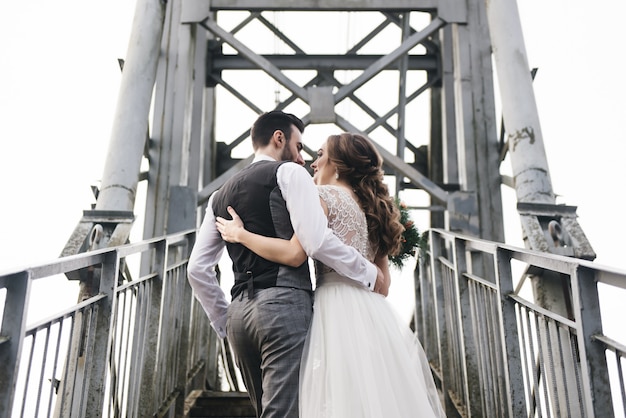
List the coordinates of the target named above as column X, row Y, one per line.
column 509, row 331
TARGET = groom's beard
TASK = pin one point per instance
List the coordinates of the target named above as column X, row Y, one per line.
column 287, row 155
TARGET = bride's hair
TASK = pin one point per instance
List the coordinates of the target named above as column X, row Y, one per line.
column 359, row 163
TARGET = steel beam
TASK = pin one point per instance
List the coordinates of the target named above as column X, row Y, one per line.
column 218, row 62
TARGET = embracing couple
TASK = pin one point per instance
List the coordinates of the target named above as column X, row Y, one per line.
column 344, row 353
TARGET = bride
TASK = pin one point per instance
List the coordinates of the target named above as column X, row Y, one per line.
column 360, row 359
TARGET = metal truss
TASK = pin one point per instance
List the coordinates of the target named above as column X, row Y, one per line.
column 416, row 51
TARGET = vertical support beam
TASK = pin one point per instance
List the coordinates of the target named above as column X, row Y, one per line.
column 130, row 123
column 402, row 73
column 197, row 116
column 182, row 206
column 436, row 160
column 443, row 163
column 487, row 155
column 176, row 149
column 463, row 105
column 448, row 105
column 208, row 146
column 172, row 133
column 531, row 173
column 519, row 108
column 158, row 150
column 478, row 155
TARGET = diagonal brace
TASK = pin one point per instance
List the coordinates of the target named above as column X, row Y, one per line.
column 256, row 59
column 387, row 60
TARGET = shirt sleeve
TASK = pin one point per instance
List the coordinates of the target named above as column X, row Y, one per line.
column 201, row 273
column 311, row 227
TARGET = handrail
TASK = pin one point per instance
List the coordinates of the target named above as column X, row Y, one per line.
column 499, row 353
column 141, row 346
column 137, row 348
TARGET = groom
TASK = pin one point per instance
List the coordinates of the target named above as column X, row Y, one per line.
column 271, row 304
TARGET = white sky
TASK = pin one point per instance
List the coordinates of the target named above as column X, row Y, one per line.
column 59, row 81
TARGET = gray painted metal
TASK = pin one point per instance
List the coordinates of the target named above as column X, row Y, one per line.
column 450, row 10
column 258, row 60
column 172, row 125
column 475, row 128
column 519, row 108
column 148, row 342
column 387, row 60
column 14, row 312
column 325, row 5
column 130, row 123
column 345, row 91
column 144, row 344
column 319, row 62
column 501, row 354
column 128, row 135
column 531, row 174
column 184, row 156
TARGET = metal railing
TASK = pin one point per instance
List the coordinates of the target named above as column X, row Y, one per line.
column 496, row 353
column 141, row 346
column 135, row 349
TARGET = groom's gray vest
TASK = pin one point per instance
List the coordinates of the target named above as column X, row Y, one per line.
column 254, row 194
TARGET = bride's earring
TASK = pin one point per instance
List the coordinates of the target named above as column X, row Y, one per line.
column 336, row 175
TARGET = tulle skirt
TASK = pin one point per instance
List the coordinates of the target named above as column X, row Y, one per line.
column 361, row 360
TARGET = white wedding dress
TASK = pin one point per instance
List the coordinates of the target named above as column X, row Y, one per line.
column 360, row 360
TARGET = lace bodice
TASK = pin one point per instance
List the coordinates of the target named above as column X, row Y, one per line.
column 347, row 221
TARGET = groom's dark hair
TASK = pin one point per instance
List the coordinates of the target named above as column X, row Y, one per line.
column 268, row 123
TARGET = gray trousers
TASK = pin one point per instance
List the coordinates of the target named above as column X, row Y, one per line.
column 267, row 334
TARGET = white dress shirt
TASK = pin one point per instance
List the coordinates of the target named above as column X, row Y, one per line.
column 310, row 226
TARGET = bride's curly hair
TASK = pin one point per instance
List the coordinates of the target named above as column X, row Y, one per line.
column 359, row 163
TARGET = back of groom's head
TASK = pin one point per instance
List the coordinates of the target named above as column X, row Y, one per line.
column 268, row 123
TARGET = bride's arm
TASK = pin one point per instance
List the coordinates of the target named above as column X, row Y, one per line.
column 278, row 250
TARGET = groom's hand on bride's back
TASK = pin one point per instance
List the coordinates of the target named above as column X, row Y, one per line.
column 381, row 286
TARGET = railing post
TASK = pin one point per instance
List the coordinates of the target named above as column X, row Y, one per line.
column 425, row 308
column 440, row 319
column 510, row 337
column 420, row 299
column 211, row 375
column 12, row 337
column 101, row 338
column 595, row 374
column 206, row 345
column 146, row 405
column 470, row 350
column 184, row 344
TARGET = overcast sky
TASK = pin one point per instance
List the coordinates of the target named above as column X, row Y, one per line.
column 59, row 82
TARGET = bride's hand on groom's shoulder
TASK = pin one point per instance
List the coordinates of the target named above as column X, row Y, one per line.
column 230, row 229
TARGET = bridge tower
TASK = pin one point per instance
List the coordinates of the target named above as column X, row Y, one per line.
column 416, row 76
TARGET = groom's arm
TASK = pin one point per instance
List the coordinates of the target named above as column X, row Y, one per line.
column 311, row 227
column 201, row 273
